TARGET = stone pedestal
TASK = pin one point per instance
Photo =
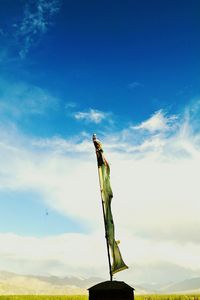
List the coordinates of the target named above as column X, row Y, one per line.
column 111, row 290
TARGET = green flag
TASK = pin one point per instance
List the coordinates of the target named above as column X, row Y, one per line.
column 107, row 195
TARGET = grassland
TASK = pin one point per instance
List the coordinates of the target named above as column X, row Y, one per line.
column 43, row 297
column 84, row 297
column 167, row 297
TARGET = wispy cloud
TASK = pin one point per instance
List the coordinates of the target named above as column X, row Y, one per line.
column 19, row 98
column 38, row 16
column 70, row 105
column 158, row 122
column 135, row 84
column 92, row 116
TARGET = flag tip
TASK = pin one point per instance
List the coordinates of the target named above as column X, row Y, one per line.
column 94, row 137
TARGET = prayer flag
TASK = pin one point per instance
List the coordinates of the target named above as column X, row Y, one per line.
column 107, row 195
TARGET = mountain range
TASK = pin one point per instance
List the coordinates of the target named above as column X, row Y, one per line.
column 13, row 284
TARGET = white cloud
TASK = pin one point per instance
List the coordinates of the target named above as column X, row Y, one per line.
column 74, row 252
column 92, row 115
column 155, row 206
column 158, row 122
column 36, row 21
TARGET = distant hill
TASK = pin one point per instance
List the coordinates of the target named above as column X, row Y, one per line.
column 187, row 286
column 15, row 284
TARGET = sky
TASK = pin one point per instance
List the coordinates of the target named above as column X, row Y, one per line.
column 129, row 72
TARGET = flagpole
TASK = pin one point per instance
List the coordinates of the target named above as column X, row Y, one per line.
column 103, row 209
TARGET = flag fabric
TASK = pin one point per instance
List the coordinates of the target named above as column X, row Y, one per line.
column 107, row 195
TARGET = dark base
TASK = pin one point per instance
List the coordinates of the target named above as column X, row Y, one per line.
column 111, row 290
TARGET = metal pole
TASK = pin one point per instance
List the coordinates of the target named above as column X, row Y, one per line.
column 104, row 216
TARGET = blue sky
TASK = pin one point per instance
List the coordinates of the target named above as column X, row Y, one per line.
column 128, row 71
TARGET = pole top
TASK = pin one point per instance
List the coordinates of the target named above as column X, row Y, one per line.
column 97, row 143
